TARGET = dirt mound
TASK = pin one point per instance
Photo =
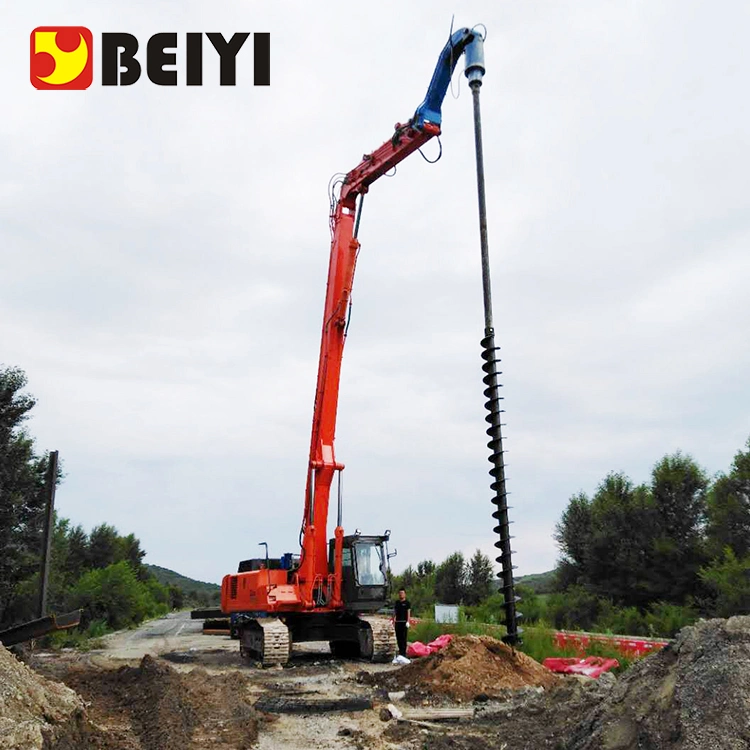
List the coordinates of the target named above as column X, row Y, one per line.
column 695, row 693
column 154, row 707
column 36, row 712
column 470, row 666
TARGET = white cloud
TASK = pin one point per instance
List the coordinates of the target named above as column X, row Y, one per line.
column 165, row 254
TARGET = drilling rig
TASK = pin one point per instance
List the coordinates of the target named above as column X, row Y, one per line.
column 332, row 588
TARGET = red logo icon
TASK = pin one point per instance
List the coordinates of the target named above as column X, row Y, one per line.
column 62, row 57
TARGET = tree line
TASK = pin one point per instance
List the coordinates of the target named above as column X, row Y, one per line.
column 679, row 541
column 101, row 572
column 636, row 559
column 453, row 581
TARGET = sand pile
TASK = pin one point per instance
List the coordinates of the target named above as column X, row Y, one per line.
column 36, row 712
column 470, row 666
column 693, row 694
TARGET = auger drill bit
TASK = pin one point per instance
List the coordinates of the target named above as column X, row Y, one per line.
column 474, row 72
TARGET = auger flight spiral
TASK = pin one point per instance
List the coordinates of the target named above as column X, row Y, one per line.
column 474, row 72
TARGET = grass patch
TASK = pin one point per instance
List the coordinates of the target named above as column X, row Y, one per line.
column 539, row 643
column 84, row 640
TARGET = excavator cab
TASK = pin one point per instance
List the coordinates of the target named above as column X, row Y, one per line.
column 364, row 585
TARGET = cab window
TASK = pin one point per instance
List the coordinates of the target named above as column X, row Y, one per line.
column 369, row 564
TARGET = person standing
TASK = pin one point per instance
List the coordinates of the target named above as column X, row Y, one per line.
column 401, row 617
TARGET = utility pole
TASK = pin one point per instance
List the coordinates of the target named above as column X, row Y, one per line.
column 48, row 523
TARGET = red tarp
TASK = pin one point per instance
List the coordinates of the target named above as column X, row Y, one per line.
column 418, row 648
column 591, row 666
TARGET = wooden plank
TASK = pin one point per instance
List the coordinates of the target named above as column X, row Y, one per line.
column 438, row 714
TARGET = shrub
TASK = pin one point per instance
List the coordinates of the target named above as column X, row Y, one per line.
column 489, row 611
column 532, row 605
column 83, row 639
column 665, row 620
column 728, row 579
column 577, row 608
column 115, row 595
column 621, row 621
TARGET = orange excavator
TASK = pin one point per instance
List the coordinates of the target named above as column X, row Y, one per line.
column 333, row 588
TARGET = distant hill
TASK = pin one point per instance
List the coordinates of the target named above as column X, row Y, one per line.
column 539, row 583
column 195, row 590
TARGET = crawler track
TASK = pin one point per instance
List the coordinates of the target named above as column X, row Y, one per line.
column 380, row 642
column 267, row 641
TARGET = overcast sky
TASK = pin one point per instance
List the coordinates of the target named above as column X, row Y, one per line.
column 164, row 255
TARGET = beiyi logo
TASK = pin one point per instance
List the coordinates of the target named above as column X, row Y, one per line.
column 62, row 57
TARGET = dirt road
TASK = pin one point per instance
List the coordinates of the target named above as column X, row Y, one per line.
column 175, row 632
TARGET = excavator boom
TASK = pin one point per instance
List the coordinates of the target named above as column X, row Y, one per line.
column 315, row 577
column 331, row 590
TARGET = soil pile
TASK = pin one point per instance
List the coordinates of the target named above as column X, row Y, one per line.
column 154, row 707
column 693, row 694
column 470, row 666
column 36, row 712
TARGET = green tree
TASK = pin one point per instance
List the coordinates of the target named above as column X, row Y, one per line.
column 617, row 552
column 729, row 508
column 532, row 606
column 420, row 590
column 425, row 569
column 22, row 481
column 78, row 551
column 105, row 547
column 479, row 578
column 678, row 491
column 573, row 536
column 728, row 578
column 176, row 597
column 131, row 552
column 637, row 544
column 60, row 579
column 407, row 579
column 450, row 580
